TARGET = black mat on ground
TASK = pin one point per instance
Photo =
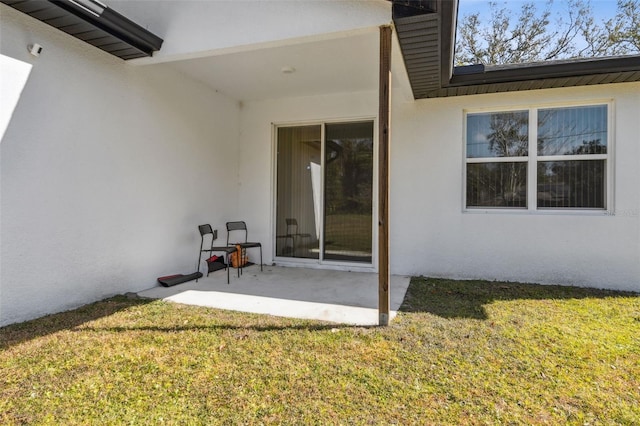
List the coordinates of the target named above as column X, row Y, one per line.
column 172, row 280
column 216, row 265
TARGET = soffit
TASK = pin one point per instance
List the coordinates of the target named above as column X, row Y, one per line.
column 339, row 65
column 108, row 30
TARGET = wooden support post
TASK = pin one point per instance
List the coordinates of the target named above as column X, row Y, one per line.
column 384, row 121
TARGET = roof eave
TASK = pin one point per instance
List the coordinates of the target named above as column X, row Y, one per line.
column 106, row 30
column 427, row 41
column 525, row 72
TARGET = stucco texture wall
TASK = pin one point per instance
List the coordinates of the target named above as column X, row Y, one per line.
column 257, row 159
column 432, row 236
column 106, row 170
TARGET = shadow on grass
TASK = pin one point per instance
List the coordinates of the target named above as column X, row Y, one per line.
column 224, row 327
column 467, row 299
column 442, row 297
column 18, row 333
column 76, row 319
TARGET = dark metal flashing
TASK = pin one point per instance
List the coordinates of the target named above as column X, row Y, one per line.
column 477, row 89
column 108, row 30
column 427, row 41
column 480, row 74
column 407, row 8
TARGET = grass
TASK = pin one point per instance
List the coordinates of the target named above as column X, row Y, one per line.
column 467, row 352
column 348, row 232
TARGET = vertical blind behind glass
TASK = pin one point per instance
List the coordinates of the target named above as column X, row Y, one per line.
column 568, row 132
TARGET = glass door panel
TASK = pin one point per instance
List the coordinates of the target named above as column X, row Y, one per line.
column 348, row 194
column 298, row 191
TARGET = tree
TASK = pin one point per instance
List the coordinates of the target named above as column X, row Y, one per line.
column 509, row 135
column 624, row 31
column 534, row 35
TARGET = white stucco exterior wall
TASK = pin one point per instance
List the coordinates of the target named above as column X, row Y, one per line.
column 430, row 233
column 106, row 170
column 257, row 167
column 433, row 236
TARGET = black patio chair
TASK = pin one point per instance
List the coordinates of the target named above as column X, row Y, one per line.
column 293, row 235
column 227, row 250
column 242, row 226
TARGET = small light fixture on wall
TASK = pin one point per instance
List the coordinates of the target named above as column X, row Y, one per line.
column 288, row 70
column 35, row 49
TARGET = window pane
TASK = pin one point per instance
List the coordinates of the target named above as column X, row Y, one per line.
column 497, row 185
column 348, row 192
column 572, row 131
column 571, row 184
column 501, row 134
column 298, row 192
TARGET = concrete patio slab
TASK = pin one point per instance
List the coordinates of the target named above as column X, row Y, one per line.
column 335, row 296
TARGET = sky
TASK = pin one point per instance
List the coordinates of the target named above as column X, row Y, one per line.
column 602, row 9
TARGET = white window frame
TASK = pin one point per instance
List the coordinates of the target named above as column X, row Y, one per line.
column 532, row 160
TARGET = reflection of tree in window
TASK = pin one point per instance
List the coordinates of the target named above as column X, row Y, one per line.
column 348, row 191
column 575, row 183
column 570, row 166
column 590, row 147
column 563, row 131
column 572, row 182
column 509, row 134
column 501, row 184
column 497, row 185
column 350, row 184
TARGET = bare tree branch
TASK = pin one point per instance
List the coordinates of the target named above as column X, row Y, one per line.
column 530, row 36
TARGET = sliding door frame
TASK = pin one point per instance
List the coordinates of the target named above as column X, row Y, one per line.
column 321, row 262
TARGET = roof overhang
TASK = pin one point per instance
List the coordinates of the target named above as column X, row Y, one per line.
column 93, row 22
column 426, row 33
column 310, row 66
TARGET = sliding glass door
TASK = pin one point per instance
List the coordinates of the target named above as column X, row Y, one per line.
column 324, row 192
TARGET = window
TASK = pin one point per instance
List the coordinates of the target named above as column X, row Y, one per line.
column 566, row 167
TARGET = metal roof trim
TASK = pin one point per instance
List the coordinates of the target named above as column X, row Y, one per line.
column 480, row 74
column 115, row 25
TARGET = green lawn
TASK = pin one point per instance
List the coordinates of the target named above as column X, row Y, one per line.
column 460, row 353
column 348, row 232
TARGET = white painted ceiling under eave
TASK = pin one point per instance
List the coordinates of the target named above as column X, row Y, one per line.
column 337, row 65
